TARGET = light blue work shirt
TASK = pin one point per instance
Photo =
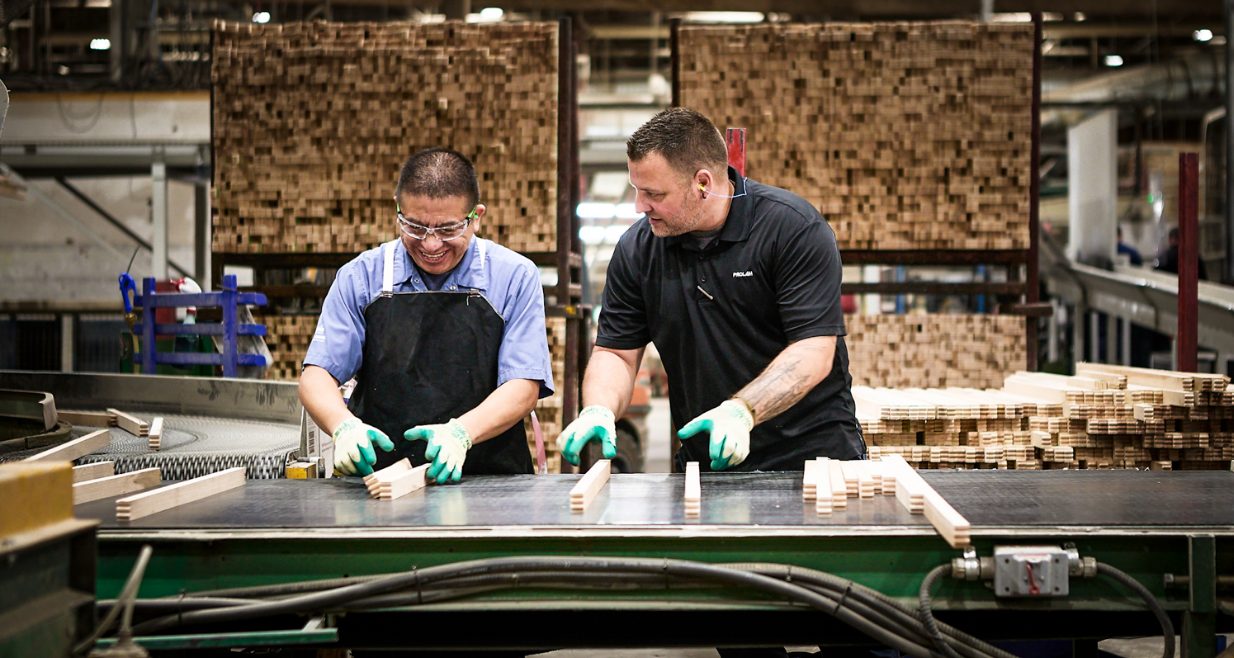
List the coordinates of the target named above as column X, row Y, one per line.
column 508, row 280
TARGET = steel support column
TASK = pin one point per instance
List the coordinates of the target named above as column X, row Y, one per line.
column 158, row 211
column 1200, row 620
column 1188, row 260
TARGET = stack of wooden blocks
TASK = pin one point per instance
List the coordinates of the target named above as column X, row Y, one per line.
column 1104, row 417
column 313, row 120
column 288, row 338
column 905, row 135
column 934, row 351
column 548, row 410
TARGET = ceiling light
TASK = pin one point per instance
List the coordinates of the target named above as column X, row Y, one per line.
column 1113, row 60
column 491, row 14
column 1080, row 17
column 1012, row 17
column 100, row 44
column 1203, row 35
column 261, row 17
column 725, row 16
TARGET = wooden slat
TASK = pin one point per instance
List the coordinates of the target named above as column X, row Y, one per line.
column 398, row 485
column 694, row 491
column 116, row 485
column 92, row 442
column 130, row 423
column 92, row 471
column 591, row 484
column 373, row 480
column 86, row 418
column 181, row 493
column 822, row 483
column 156, row 434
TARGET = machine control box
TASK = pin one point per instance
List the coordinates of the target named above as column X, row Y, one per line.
column 1031, row 571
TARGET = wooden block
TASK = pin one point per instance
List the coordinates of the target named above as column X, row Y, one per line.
column 80, row 447
column 85, row 418
column 116, row 485
column 822, row 475
column 852, row 480
column 586, row 489
column 91, row 471
column 400, row 484
column 156, row 433
column 839, row 488
column 949, row 523
column 910, row 488
column 694, row 491
column 34, row 495
column 131, row 424
column 809, row 480
column 152, row 502
column 373, row 480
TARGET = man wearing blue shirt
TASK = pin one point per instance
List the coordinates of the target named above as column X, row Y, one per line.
column 444, row 333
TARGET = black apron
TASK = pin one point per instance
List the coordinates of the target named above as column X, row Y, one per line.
column 429, row 357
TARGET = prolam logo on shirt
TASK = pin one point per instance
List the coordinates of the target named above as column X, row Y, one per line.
column 742, row 275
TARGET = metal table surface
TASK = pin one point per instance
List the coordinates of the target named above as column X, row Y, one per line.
column 993, row 502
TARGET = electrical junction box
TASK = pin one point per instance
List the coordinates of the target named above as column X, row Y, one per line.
column 1031, row 571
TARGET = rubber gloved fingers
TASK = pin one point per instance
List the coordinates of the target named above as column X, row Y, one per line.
column 694, row 427
column 379, row 437
column 363, row 468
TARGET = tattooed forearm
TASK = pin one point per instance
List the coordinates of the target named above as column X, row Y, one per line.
column 787, row 379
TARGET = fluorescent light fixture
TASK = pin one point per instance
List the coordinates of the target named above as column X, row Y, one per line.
column 1012, row 17
column 596, row 210
column 1203, row 35
column 486, row 15
column 1080, row 17
column 261, row 17
column 100, row 44
column 725, row 16
column 1113, row 60
column 627, row 211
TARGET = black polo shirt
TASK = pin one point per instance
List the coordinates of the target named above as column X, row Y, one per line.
column 719, row 316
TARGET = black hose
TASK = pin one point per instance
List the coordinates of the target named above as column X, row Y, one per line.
column 420, row 578
column 128, row 595
column 927, row 614
column 1167, row 627
column 967, row 644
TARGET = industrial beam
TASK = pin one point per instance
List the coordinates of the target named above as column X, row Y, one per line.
column 112, row 219
column 1188, row 260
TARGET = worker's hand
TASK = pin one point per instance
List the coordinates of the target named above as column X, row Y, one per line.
column 729, row 425
column 593, row 422
column 447, row 447
column 353, row 447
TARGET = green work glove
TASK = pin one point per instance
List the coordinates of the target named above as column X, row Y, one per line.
column 353, row 447
column 447, row 447
column 593, row 422
column 729, row 425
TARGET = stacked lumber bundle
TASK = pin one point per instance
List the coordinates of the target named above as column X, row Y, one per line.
column 288, row 338
column 1104, row 417
column 934, row 351
column 312, row 121
column 953, row 427
column 905, row 135
column 548, row 410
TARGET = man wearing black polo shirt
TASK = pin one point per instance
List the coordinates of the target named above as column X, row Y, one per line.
column 738, row 285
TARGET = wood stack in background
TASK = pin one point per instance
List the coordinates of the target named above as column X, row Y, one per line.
column 934, row 351
column 1104, row 417
column 549, row 409
column 905, row 135
column 313, row 120
column 288, row 338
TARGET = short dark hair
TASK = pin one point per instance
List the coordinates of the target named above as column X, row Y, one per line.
column 685, row 138
column 438, row 173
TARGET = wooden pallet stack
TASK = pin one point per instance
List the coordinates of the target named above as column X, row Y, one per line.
column 954, row 427
column 934, row 351
column 288, row 338
column 905, row 135
column 313, row 120
column 1104, row 417
column 548, row 410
